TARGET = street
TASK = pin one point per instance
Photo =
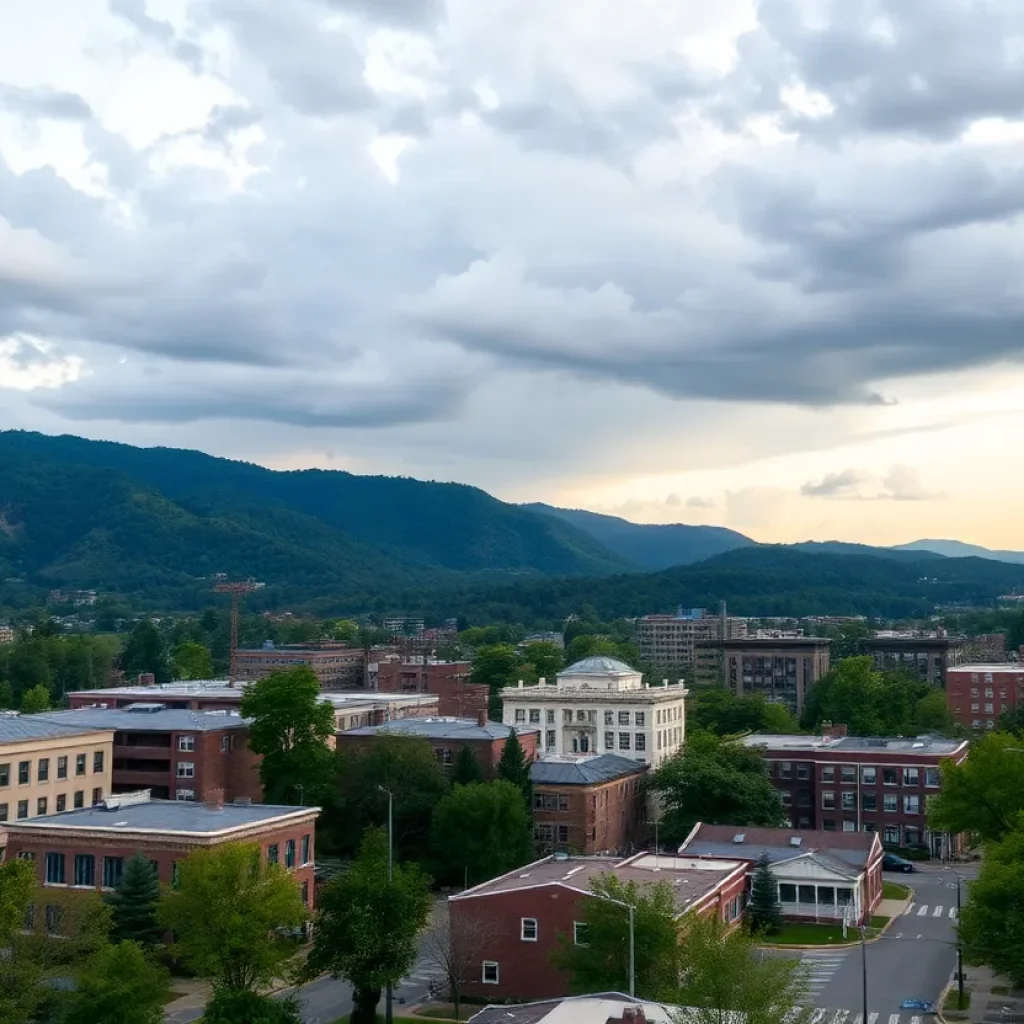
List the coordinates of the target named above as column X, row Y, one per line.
column 913, row 960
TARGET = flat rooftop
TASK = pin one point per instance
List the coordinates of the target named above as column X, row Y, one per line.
column 441, row 729
column 768, row 643
column 855, row 744
column 590, row 1009
column 690, row 877
column 17, row 728
column 183, row 817
column 221, row 689
column 1003, row 666
column 148, row 717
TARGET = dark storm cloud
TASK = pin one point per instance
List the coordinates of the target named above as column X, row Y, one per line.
column 44, row 103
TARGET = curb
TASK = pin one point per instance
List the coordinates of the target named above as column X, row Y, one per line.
column 946, row 989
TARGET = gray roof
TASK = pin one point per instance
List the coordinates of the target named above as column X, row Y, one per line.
column 441, row 729
column 842, row 849
column 598, row 665
column 583, row 771
column 184, row 816
column 18, row 728
column 145, row 720
column 861, row 744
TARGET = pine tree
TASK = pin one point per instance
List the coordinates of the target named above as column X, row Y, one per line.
column 134, row 904
column 467, row 768
column 513, row 766
column 764, row 912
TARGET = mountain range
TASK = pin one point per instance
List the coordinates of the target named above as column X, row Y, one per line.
column 156, row 524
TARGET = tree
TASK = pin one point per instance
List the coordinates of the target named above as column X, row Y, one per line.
column 547, row 658
column 456, row 953
column 134, row 904
column 145, row 652
column 717, row 782
column 764, row 912
column 932, row 714
column 366, row 926
column 35, row 700
column 467, row 768
column 992, row 920
column 231, row 914
column 720, row 711
column 17, row 887
column 483, row 830
column 496, row 666
column 192, row 660
column 119, row 985
column 984, row 794
column 599, row 962
column 291, row 727
column 405, row 766
column 239, row 1006
column 513, row 766
column 725, row 980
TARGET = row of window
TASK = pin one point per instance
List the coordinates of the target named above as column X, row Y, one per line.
column 637, row 718
column 43, row 804
column 821, row 895
column 869, row 774
column 529, row 931
column 989, row 708
column 892, row 835
column 912, row 803
column 187, row 744
column 43, row 768
column 273, row 853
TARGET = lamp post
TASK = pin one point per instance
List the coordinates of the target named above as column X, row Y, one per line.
column 389, row 998
column 959, row 946
column 632, row 937
column 864, row 969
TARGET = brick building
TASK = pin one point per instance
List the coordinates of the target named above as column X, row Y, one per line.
column 845, row 783
column 781, row 669
column 457, row 697
column 668, row 641
column 336, row 666
column 978, row 694
column 588, row 804
column 821, row 876
column 88, row 848
column 177, row 755
column 927, row 656
column 447, row 737
column 986, row 648
column 513, row 923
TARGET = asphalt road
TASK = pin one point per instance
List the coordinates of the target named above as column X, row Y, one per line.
column 913, row 960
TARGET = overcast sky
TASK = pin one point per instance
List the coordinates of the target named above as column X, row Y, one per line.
column 753, row 264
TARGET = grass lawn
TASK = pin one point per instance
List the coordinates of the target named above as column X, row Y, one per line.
column 877, row 921
column 952, row 1004
column 894, row 891
column 798, row 934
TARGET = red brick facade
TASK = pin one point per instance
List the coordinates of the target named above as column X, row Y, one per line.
column 606, row 817
column 457, row 696
column 336, row 666
column 978, row 694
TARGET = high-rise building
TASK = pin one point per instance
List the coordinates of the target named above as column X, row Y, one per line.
column 668, row 641
column 926, row 655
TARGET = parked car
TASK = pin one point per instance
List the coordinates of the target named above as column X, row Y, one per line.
column 917, row 1004
column 890, row 862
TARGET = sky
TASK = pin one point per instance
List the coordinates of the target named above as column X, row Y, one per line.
column 749, row 264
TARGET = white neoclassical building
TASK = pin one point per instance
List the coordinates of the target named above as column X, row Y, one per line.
column 601, row 706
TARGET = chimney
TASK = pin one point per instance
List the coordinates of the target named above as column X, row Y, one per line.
column 542, row 681
column 519, row 685
column 481, row 718
column 147, row 679
column 213, row 798
column 832, row 732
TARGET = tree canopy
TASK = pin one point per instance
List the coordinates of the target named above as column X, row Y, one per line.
column 134, row 903
column 119, row 985
column 513, row 766
column 192, row 660
column 720, row 711
column 146, row 651
column 35, row 700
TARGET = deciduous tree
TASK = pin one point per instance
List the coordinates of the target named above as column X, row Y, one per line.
column 239, row 1006
column 455, row 952
column 192, row 660
column 35, row 700
column 146, row 651
column 118, row 985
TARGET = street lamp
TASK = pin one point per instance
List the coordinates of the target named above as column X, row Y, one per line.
column 632, row 937
column 959, row 946
column 389, row 1007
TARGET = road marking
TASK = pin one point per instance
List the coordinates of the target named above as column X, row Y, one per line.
column 910, row 907
column 938, row 912
column 872, row 1017
column 915, row 1020
column 952, row 913
column 923, row 910
column 841, row 1016
column 894, row 1018
column 859, row 1019
column 920, row 936
column 818, row 1016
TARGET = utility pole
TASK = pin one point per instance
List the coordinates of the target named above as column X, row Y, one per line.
column 864, row 969
column 389, row 1000
column 237, row 590
column 959, row 951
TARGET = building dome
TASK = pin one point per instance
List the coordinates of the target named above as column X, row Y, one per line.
column 598, row 665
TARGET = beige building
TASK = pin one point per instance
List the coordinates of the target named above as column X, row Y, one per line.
column 48, row 767
column 601, row 706
column 668, row 642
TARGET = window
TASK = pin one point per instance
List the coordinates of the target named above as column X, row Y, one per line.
column 4, row 812
column 53, row 919
column 62, row 802
column 62, row 767
column 803, row 799
column 446, row 756
column 305, row 893
column 609, row 718
column 272, row 854
column 849, row 826
column 786, row 798
column 623, row 718
column 567, row 718
column 43, row 769
column 828, row 800
column 85, row 869
column 305, row 849
column 22, row 809
column 787, row 893
column 581, row 716
column 849, row 773
column 869, row 775
column 609, row 741
column 289, row 853
column 550, row 717
column 490, row 973
column 890, row 803
column 55, row 869
column 785, row 769
column 184, row 794
column 5, row 774
column 892, row 835
column 890, row 777
column 975, row 707
column 641, row 719
column 869, row 801
column 911, row 777
column 623, row 741
column 828, row 824
column 30, row 918
column 989, row 708
column 931, row 777
column 528, row 929
column 520, row 714
column 826, row 895
column 186, row 743
column 803, row 771
column 113, row 869
column 97, row 761
column 828, row 773
column 225, row 744
column 849, row 801
column 535, row 716
column 579, row 933
column 640, row 741
column 911, row 804
column 26, row 855
column 844, row 897
column 186, row 770
column 97, row 796
column 550, row 739
column 563, row 833
column 24, row 772
column 41, row 805
column 79, row 764
column 79, row 798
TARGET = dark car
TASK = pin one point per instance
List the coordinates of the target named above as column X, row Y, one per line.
column 890, row 862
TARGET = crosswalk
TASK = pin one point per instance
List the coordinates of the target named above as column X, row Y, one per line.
column 819, row 967
column 821, row 1016
column 925, row 910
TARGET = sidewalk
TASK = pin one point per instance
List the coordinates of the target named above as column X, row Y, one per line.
column 990, row 994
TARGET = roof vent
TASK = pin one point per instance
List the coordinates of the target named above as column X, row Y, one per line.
column 739, row 837
column 145, row 708
column 795, row 840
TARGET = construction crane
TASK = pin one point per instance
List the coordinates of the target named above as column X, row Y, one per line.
column 237, row 589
